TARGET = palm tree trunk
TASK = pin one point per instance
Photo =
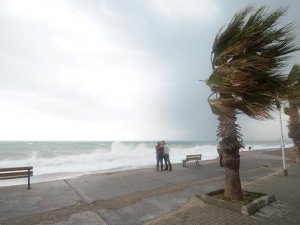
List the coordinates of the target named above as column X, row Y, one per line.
column 296, row 142
column 233, row 188
column 298, row 158
column 294, row 129
column 230, row 144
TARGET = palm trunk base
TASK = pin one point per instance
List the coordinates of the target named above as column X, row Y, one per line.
column 297, row 158
column 233, row 188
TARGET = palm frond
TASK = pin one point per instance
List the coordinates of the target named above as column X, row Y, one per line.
column 293, row 90
column 247, row 58
column 294, row 75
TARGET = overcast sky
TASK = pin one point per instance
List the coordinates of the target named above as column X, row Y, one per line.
column 115, row 69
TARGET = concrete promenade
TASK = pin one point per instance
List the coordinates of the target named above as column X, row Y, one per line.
column 148, row 197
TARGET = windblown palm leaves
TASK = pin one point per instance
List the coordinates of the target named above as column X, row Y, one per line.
column 247, row 58
column 293, row 85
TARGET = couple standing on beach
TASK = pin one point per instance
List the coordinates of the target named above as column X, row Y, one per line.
column 162, row 153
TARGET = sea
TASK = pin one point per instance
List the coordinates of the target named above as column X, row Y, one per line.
column 54, row 160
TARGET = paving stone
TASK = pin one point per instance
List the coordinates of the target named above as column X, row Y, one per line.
column 85, row 218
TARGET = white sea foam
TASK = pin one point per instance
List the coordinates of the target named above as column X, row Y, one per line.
column 113, row 156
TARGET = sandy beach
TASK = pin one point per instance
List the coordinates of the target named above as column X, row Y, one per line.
column 130, row 197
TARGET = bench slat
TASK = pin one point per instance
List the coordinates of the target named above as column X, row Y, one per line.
column 16, row 169
column 13, row 177
column 195, row 155
column 15, row 174
column 194, row 158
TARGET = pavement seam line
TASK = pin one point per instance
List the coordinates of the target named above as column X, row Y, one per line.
column 95, row 207
column 80, row 196
column 97, row 212
column 275, row 172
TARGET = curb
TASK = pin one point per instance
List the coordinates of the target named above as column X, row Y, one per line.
column 248, row 209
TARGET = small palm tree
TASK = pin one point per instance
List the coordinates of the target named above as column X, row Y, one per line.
column 247, row 58
column 293, row 97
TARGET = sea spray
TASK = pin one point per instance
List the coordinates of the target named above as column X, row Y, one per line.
column 78, row 157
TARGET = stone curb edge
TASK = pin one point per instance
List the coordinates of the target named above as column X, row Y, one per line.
column 248, row 210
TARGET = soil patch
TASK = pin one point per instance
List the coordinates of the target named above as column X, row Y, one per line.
column 247, row 197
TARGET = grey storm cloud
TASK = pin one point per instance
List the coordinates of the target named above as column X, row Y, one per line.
column 121, row 69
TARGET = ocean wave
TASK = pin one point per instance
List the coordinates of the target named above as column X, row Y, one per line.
column 76, row 158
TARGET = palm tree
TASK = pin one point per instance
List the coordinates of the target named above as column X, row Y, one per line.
column 247, row 58
column 293, row 97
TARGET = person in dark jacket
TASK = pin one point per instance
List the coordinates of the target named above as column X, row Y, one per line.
column 220, row 152
column 159, row 156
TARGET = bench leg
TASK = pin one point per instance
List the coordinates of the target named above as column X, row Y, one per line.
column 28, row 180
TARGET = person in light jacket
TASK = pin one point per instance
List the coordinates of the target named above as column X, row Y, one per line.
column 167, row 156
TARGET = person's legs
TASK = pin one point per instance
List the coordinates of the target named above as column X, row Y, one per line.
column 157, row 163
column 161, row 162
column 166, row 161
column 169, row 162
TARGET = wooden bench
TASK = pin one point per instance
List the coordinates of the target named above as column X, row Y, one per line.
column 16, row 172
column 189, row 158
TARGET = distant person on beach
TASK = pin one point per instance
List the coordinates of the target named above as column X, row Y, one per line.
column 159, row 156
column 167, row 156
column 220, row 152
column 249, row 148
